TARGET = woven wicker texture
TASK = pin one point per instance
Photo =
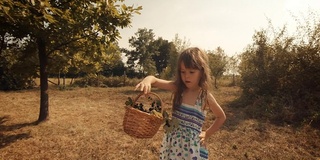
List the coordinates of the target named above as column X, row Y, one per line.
column 141, row 124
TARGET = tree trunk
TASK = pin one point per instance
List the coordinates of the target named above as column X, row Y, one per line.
column 124, row 78
column 233, row 80
column 215, row 82
column 44, row 97
column 59, row 78
column 64, row 81
column 71, row 81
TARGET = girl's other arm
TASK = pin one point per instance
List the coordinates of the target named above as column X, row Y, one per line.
column 149, row 81
column 219, row 114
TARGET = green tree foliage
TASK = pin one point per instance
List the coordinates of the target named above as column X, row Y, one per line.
column 232, row 67
column 162, row 51
column 114, row 65
column 180, row 45
column 217, row 63
column 64, row 28
column 17, row 66
column 140, row 58
column 257, row 60
column 149, row 56
column 284, row 72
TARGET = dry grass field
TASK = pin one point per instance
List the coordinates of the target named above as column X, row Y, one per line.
column 86, row 123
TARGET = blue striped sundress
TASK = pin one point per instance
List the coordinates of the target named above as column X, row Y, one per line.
column 183, row 142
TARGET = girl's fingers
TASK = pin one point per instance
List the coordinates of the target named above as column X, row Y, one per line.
column 203, row 142
column 143, row 88
column 202, row 137
column 137, row 86
column 147, row 89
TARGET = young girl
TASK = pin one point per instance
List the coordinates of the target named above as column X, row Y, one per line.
column 190, row 99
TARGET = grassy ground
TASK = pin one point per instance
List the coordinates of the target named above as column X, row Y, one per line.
column 86, row 123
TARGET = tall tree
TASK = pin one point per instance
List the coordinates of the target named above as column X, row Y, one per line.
column 218, row 62
column 162, row 50
column 180, row 45
column 232, row 67
column 54, row 25
column 140, row 58
column 114, row 65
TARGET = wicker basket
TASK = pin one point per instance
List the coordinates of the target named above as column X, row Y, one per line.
column 141, row 124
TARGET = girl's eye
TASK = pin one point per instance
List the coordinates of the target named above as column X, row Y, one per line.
column 182, row 72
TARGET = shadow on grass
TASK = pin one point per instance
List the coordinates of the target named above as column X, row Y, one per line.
column 240, row 110
column 235, row 115
column 7, row 138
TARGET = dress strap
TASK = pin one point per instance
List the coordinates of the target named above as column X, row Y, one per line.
column 202, row 99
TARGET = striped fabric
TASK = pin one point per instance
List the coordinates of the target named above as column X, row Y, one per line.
column 183, row 142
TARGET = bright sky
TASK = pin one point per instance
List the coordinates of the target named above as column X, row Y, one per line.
column 209, row 24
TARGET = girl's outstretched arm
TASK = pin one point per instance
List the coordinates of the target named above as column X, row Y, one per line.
column 220, row 118
column 149, row 81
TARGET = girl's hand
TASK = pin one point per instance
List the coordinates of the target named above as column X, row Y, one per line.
column 144, row 85
column 146, row 88
column 151, row 81
column 203, row 138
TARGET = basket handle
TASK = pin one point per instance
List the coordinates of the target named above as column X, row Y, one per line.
column 150, row 93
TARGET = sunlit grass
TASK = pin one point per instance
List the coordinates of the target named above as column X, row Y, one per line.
column 86, row 123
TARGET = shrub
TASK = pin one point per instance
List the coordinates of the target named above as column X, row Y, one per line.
column 94, row 80
column 281, row 77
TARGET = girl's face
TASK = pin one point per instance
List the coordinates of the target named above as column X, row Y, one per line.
column 190, row 76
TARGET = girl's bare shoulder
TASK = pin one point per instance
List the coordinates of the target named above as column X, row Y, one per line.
column 211, row 100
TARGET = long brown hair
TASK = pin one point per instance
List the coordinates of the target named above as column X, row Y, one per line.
column 193, row 58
